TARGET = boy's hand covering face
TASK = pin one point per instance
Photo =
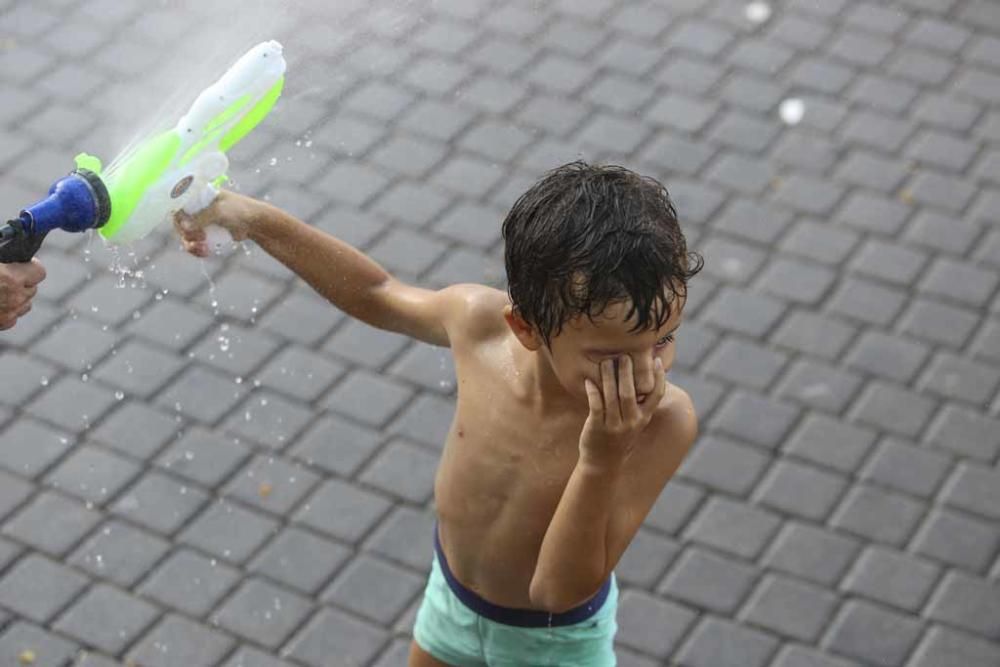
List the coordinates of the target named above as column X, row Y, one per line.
column 616, row 416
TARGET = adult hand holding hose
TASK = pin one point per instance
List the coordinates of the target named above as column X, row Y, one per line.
column 18, row 286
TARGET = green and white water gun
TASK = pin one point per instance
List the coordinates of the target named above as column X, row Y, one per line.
column 181, row 168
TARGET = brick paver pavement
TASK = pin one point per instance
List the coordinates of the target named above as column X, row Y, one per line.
column 203, row 464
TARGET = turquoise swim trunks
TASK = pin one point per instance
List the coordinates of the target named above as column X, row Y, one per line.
column 460, row 628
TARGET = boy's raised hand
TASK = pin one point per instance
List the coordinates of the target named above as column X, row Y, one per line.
column 616, row 416
column 233, row 212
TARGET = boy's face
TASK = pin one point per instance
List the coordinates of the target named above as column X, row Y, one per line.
column 576, row 353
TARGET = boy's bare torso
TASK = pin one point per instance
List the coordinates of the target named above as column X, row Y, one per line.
column 504, row 467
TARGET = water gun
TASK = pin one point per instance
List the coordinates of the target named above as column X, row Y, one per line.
column 181, row 168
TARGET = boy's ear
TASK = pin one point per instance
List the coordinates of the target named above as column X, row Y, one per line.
column 522, row 329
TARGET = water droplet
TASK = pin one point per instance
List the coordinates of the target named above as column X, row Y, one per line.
column 119, row 394
column 758, row 12
column 792, row 110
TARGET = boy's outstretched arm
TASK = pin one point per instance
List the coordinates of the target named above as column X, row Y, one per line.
column 348, row 278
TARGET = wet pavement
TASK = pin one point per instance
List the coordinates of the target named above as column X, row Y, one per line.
column 202, row 463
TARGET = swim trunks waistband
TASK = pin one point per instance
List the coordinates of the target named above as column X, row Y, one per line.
column 525, row 618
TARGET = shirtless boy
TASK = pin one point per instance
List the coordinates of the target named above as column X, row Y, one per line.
column 565, row 430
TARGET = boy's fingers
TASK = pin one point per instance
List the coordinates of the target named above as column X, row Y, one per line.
column 594, row 398
column 612, row 409
column 626, row 389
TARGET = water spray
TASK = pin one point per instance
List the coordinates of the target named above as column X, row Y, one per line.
column 181, row 168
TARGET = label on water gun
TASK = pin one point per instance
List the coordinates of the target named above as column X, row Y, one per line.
column 183, row 167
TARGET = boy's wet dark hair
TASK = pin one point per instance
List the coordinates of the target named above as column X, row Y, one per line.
column 586, row 236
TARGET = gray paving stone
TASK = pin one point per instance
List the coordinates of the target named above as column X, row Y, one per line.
column 790, row 608
column 883, row 93
column 75, row 344
column 498, row 95
column 755, row 419
column 892, row 578
column 427, row 366
column 680, row 112
column 812, row 553
column 946, row 111
column 228, row 531
column 342, row 510
column 251, row 657
column 406, row 536
column 267, row 419
column 24, row 377
column 271, row 484
column 135, row 429
column 426, row 420
column 233, row 349
column 867, row 302
column 722, row 643
column 973, row 488
column 49, row 649
column 798, row 656
column 202, row 394
column 651, row 625
column 762, row 55
column 177, row 641
column 899, row 465
column 737, row 528
column 334, row 445
column 867, row 632
column 860, row 48
column 820, row 386
column 724, row 465
column 731, row 261
column 50, row 522
column 796, row 281
column 159, row 502
column 797, row 30
column 707, row 581
column 744, row 312
column 203, row 457
column 119, row 553
column 881, row 355
column 299, row 559
column 262, row 613
column 893, row 409
column 410, row 204
column 878, row 515
column 971, row 603
column 939, row 190
column 403, row 470
column 645, row 559
column 959, row 282
column 29, row 446
column 373, row 589
column 958, row 539
column 331, row 632
column 813, row 334
column 938, row 322
column 800, row 490
column 953, row 377
column 365, row 345
column 966, row 433
column 92, row 474
column 689, row 75
column 952, row 648
column 171, row 324
column 106, row 618
column 831, row 442
column 138, row 369
column 744, row 363
column 38, row 588
column 72, row 403
column 822, row 243
column 889, row 261
column 189, row 582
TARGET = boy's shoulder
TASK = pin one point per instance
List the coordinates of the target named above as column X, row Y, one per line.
column 479, row 311
column 674, row 421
